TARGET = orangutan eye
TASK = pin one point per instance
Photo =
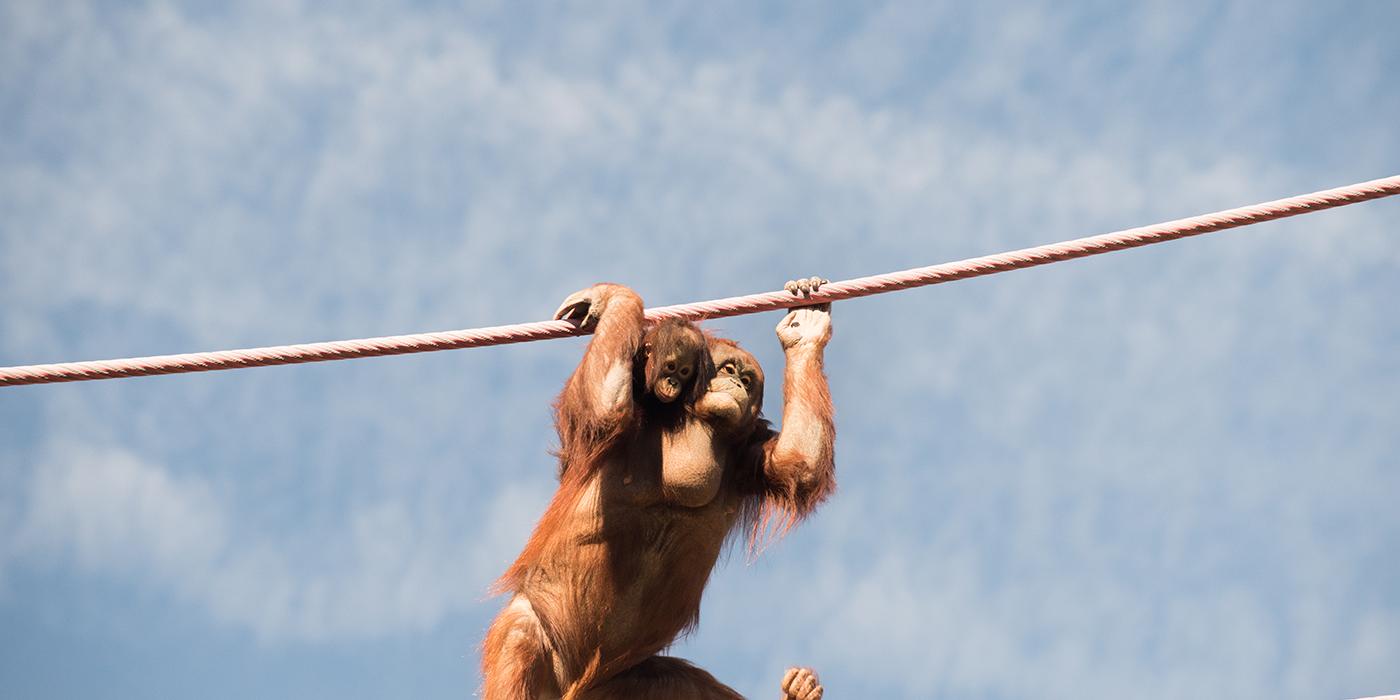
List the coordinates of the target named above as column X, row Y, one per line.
column 728, row 368
column 748, row 380
column 685, row 372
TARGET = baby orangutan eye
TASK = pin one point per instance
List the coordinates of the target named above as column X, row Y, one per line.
column 685, row 372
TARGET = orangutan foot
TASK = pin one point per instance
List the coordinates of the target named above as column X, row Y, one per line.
column 801, row 684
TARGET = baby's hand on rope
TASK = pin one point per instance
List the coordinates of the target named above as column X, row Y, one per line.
column 805, row 325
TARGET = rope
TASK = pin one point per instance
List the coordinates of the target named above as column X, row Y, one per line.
column 732, row 306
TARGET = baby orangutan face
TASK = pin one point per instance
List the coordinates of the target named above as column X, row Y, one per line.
column 677, row 361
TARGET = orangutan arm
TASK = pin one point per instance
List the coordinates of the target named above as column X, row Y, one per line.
column 798, row 466
column 599, row 394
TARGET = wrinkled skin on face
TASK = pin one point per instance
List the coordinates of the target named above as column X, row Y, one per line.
column 735, row 395
column 676, row 362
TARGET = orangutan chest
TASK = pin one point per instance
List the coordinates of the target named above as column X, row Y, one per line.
column 680, row 467
column 691, row 467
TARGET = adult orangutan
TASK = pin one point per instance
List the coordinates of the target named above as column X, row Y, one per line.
column 657, row 469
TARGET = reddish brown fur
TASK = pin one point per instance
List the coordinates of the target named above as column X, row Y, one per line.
column 616, row 567
column 662, row 678
column 681, row 342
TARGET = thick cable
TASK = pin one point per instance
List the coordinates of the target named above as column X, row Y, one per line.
column 732, row 306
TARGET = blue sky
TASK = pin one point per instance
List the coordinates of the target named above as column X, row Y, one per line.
column 1168, row 472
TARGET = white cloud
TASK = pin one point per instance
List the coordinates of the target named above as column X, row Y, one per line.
column 109, row 510
column 115, row 515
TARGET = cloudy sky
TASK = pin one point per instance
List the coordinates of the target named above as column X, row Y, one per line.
column 1163, row 473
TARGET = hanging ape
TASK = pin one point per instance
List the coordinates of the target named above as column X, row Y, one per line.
column 664, row 453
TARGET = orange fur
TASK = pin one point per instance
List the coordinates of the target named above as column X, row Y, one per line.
column 615, row 569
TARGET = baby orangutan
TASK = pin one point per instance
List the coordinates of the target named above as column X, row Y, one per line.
column 675, row 361
column 663, row 455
